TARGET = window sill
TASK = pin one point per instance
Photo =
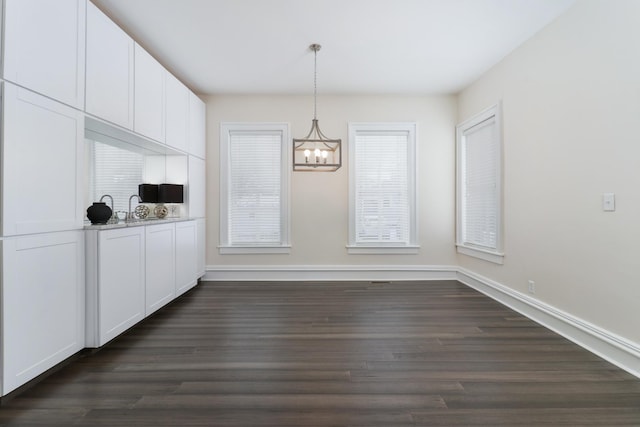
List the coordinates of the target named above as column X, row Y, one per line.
column 494, row 257
column 383, row 250
column 252, row 250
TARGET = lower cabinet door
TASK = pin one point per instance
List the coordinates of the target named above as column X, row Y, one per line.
column 42, row 304
column 201, row 236
column 186, row 256
column 160, row 266
column 120, row 290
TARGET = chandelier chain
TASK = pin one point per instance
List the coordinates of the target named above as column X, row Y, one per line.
column 315, row 83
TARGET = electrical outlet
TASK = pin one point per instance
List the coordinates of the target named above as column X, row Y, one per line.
column 532, row 287
column 609, row 202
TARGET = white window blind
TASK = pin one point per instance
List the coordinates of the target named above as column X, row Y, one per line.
column 382, row 199
column 382, row 181
column 255, row 168
column 479, row 186
column 116, row 172
column 255, row 188
column 480, row 198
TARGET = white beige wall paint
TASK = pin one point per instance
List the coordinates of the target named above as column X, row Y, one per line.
column 571, row 108
column 319, row 201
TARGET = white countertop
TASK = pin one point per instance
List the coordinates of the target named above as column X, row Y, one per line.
column 136, row 223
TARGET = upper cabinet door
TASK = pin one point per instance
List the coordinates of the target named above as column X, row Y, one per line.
column 44, row 47
column 149, row 96
column 109, row 89
column 42, row 184
column 177, row 113
column 197, row 128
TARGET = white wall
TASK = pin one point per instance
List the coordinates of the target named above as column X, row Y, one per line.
column 571, row 103
column 319, row 201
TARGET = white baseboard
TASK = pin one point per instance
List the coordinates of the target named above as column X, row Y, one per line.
column 615, row 349
column 329, row 272
column 611, row 347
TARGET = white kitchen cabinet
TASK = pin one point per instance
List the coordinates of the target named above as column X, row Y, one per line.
column 176, row 113
column 201, row 235
column 43, row 144
column 115, row 282
column 196, row 187
column 160, row 266
column 42, row 304
column 44, row 47
column 197, row 126
column 186, row 256
column 109, row 71
column 149, row 96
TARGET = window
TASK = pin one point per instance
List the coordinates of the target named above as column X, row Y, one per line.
column 254, row 184
column 114, row 171
column 479, row 194
column 382, row 188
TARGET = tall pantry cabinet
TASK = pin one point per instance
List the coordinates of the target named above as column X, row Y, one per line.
column 42, row 313
column 64, row 65
column 197, row 175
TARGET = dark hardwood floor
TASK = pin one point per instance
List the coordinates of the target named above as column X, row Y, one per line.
column 333, row 354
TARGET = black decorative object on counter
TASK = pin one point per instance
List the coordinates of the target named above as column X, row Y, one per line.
column 170, row 193
column 99, row 213
column 148, row 193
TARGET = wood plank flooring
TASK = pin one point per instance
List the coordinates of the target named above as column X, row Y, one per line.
column 333, row 354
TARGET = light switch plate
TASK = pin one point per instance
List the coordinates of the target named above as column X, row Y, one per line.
column 608, row 202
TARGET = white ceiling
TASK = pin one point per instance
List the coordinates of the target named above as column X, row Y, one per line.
column 368, row 46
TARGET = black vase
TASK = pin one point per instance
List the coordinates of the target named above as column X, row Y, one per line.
column 99, row 213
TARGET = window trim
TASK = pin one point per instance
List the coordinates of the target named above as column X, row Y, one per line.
column 495, row 255
column 412, row 247
column 226, row 129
